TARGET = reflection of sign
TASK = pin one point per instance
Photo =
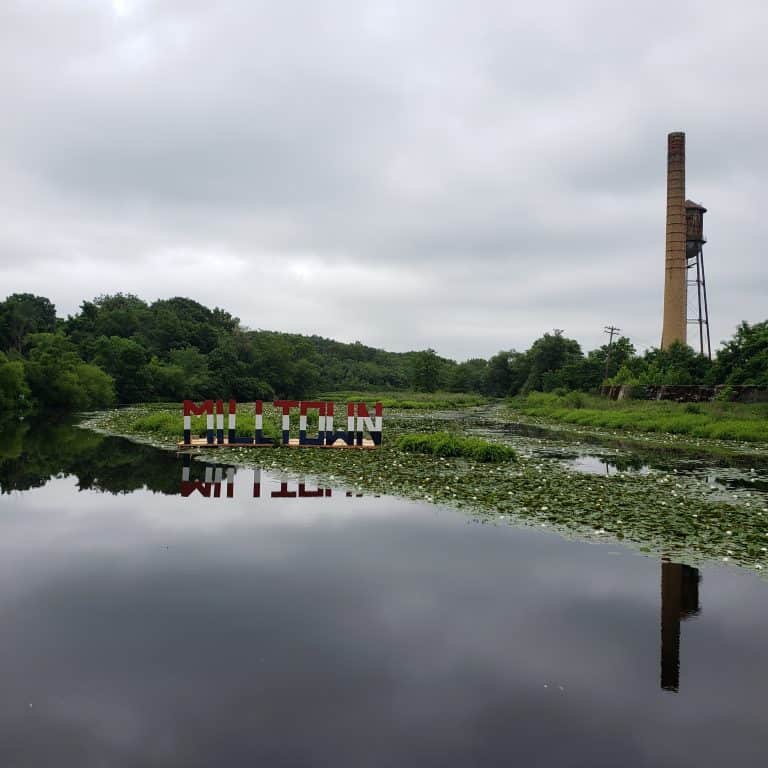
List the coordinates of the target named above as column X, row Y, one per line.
column 359, row 420
column 214, row 477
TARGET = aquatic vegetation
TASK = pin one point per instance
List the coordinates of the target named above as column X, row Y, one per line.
column 661, row 513
column 450, row 445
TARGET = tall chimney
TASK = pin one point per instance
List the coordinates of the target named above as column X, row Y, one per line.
column 675, row 325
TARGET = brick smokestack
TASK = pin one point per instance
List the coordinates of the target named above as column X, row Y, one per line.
column 675, row 325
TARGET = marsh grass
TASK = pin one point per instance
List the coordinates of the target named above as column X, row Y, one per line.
column 168, row 425
column 449, row 445
column 715, row 420
column 164, row 421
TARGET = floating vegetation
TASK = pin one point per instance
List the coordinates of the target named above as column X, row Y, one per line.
column 663, row 513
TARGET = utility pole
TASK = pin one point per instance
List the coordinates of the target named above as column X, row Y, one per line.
column 610, row 330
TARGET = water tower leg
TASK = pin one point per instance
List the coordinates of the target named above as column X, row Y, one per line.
column 706, row 305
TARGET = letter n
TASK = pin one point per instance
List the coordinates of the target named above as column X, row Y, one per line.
column 373, row 425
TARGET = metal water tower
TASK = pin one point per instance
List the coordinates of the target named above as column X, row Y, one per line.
column 694, row 256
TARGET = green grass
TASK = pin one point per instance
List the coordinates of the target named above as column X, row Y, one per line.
column 163, row 422
column 410, row 400
column 449, row 445
column 719, row 421
column 168, row 424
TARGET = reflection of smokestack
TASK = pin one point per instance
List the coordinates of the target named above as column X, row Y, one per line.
column 679, row 600
column 675, row 323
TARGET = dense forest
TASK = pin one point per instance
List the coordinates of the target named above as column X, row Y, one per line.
column 121, row 349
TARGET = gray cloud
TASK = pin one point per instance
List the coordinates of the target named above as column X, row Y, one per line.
column 425, row 174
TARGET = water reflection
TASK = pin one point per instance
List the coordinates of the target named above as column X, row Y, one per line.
column 213, row 477
column 145, row 628
column 679, row 600
column 34, row 452
column 217, row 481
column 601, row 465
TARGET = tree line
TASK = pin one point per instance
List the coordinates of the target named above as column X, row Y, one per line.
column 121, row 349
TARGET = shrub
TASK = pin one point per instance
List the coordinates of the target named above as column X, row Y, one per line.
column 725, row 394
column 574, row 400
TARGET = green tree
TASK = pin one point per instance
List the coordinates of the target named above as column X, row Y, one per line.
column 166, row 380
column 305, row 378
column 498, row 378
column 744, row 358
column 126, row 361
column 14, row 390
column 425, row 371
column 59, row 378
column 616, row 355
column 120, row 315
column 22, row 314
column 469, row 376
column 97, row 388
column 193, row 363
column 678, row 364
column 547, row 357
column 180, row 322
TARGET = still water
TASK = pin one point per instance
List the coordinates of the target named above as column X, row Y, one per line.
column 153, row 616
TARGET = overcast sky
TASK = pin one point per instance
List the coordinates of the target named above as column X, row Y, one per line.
column 456, row 175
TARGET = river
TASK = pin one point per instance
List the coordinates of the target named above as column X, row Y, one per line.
column 157, row 614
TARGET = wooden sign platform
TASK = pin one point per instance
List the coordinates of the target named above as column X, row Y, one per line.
column 201, row 442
